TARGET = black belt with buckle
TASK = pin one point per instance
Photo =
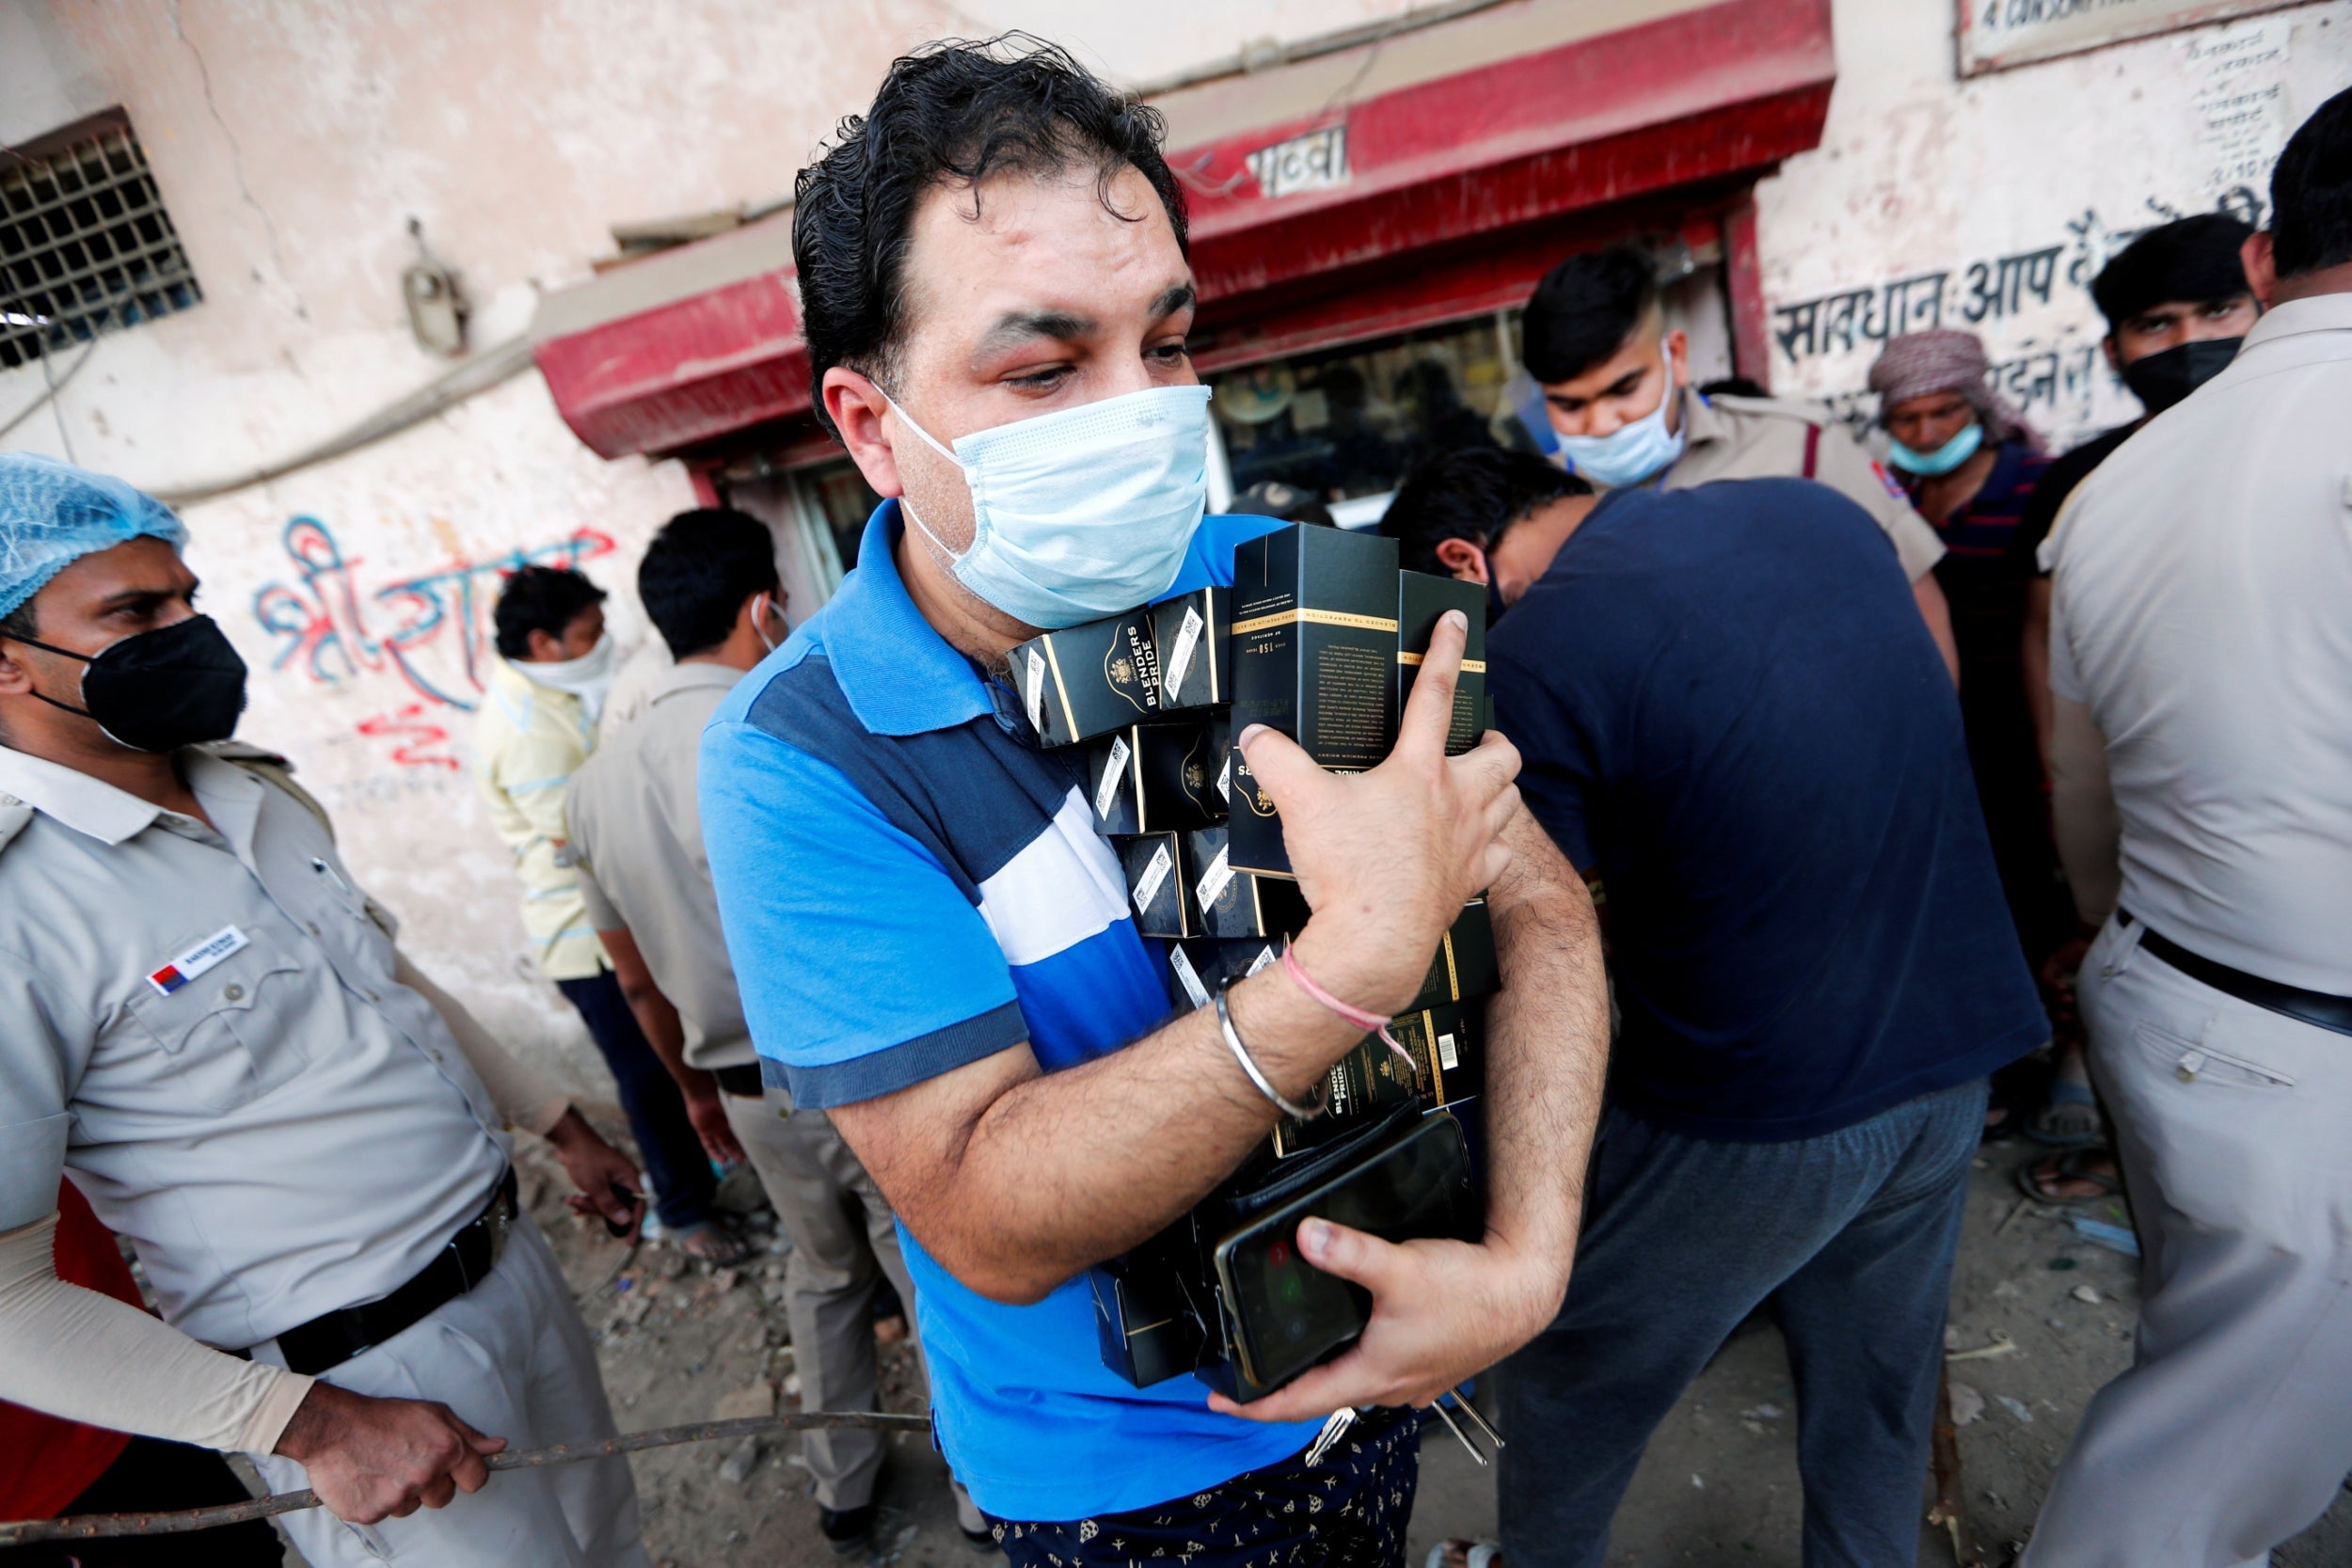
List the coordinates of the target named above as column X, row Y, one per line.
column 2315, row 1007
column 327, row 1341
column 742, row 1082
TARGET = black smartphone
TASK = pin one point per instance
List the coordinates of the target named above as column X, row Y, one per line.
column 1283, row 1315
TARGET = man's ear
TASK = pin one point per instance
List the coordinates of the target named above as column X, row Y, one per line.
column 546, row 647
column 2115, row 360
column 16, row 677
column 856, row 407
column 1465, row 560
column 2262, row 266
column 1679, row 358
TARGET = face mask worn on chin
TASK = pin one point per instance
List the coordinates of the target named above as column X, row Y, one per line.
column 2161, row 379
column 1944, row 459
column 1083, row 513
column 158, row 690
column 589, row 677
column 1630, row 453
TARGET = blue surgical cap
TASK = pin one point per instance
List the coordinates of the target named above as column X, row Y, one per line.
column 52, row 513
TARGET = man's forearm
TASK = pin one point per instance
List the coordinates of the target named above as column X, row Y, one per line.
column 1548, row 1052
column 2082, row 812
column 2033, row 657
column 89, row 1357
column 1937, row 613
column 1059, row 1171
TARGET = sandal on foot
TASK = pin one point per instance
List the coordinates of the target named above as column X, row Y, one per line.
column 1476, row 1553
column 708, row 1242
column 2034, row 1177
column 2069, row 1118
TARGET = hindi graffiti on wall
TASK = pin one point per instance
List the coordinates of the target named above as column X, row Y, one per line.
column 2012, row 301
column 1996, row 35
column 430, row 629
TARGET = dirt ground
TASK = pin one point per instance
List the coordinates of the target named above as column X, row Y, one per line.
column 683, row 1343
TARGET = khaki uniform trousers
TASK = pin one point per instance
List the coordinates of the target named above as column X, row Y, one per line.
column 511, row 1358
column 2233, row 1430
column 844, row 1242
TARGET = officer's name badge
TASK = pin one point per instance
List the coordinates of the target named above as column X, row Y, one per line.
column 197, row 959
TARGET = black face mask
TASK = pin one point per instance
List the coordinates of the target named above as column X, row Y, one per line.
column 162, row 690
column 2164, row 378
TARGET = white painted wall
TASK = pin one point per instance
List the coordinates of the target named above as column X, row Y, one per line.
column 2053, row 166
column 294, row 138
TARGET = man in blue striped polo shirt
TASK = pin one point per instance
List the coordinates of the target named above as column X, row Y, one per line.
column 934, row 945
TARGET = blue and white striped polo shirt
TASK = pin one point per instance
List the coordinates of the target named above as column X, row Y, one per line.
column 909, row 884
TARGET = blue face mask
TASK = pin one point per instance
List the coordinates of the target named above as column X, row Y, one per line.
column 1084, row 513
column 1633, row 453
column 1944, row 459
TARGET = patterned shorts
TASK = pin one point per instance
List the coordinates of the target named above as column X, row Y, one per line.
column 1348, row 1512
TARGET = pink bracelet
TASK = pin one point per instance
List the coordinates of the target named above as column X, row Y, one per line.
column 1357, row 1016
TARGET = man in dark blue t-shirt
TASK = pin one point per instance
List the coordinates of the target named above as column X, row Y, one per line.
column 1731, row 714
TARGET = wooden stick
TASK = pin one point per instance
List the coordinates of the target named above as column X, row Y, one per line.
column 91, row 1527
column 1944, row 1459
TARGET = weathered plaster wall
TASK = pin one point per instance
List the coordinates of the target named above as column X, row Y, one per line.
column 1991, row 203
column 292, row 140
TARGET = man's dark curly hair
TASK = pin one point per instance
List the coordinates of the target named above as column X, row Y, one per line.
column 952, row 113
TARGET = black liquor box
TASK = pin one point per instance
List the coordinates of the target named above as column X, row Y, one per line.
column 1200, row 966
column 1420, row 598
column 1447, row 1066
column 1089, row 680
column 1235, row 903
column 1314, row 654
column 1148, row 1324
column 1160, row 778
column 1189, row 632
column 1465, row 966
column 1158, row 884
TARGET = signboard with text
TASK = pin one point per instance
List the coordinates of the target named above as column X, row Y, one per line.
column 1997, row 34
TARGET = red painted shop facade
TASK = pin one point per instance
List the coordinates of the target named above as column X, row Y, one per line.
column 1367, row 218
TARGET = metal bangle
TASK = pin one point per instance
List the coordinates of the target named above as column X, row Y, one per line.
column 1249, row 1066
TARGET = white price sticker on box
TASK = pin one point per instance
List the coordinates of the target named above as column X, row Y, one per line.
column 1155, row 873
column 1114, row 769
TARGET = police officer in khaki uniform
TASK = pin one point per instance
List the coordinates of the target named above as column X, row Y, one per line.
column 1616, row 386
column 210, row 1029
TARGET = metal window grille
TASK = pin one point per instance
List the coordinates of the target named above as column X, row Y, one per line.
column 85, row 243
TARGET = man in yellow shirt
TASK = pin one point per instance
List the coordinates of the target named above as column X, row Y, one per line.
column 537, row 722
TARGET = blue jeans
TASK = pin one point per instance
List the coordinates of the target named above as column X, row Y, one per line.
column 666, row 1140
column 1851, row 1235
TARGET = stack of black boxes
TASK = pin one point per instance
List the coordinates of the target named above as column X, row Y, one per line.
column 1319, row 637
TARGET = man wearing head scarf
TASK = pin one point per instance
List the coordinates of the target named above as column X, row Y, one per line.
column 209, row 1029
column 1970, row 463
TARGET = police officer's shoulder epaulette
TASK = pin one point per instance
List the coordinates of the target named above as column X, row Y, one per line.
column 1802, row 410
column 14, row 814
column 270, row 768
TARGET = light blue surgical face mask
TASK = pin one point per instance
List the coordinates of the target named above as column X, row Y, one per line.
column 1633, row 453
column 1083, row 513
column 1944, row 459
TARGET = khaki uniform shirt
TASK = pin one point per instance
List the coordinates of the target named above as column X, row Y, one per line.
column 528, row 739
column 638, row 828
column 2199, row 609
column 203, row 1024
column 1735, row 438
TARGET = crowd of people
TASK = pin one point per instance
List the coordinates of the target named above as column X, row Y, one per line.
column 1989, row 791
